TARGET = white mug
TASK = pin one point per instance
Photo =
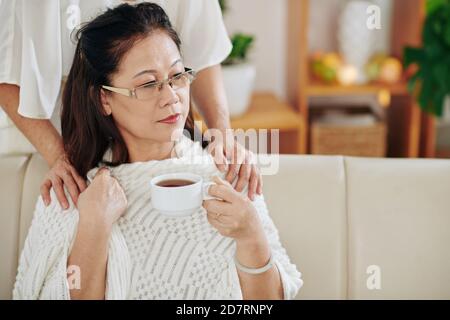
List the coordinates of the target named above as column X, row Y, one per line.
column 182, row 200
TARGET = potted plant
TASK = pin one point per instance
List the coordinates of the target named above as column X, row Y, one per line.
column 430, row 80
column 238, row 73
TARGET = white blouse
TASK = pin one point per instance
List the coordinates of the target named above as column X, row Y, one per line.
column 36, row 50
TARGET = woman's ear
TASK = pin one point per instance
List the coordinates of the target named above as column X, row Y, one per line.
column 105, row 104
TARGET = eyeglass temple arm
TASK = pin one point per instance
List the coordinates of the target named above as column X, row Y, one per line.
column 125, row 92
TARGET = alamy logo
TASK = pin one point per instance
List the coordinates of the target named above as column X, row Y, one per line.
column 373, row 281
column 73, row 16
column 374, row 17
column 74, row 277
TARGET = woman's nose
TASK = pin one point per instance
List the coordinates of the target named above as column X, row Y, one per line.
column 168, row 95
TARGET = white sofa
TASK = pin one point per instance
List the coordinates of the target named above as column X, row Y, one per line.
column 337, row 216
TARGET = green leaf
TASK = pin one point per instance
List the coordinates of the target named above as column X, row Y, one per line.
column 425, row 95
column 438, row 103
column 433, row 5
column 223, row 6
column 438, row 73
column 241, row 45
column 447, row 34
column 412, row 83
column 437, row 27
column 412, row 55
column 432, row 80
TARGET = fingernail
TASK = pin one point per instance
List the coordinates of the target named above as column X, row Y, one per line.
column 46, row 202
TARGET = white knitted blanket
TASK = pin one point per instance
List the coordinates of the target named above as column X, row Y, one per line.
column 150, row 256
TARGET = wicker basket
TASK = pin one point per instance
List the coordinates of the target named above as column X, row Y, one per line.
column 363, row 141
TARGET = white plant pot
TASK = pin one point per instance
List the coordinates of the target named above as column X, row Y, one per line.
column 239, row 81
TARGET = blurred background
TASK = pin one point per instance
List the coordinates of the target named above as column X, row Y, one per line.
column 364, row 78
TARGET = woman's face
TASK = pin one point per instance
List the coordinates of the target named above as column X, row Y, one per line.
column 154, row 58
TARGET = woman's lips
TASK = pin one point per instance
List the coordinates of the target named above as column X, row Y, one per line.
column 171, row 119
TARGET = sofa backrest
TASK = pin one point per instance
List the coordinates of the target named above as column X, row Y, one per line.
column 306, row 200
column 399, row 221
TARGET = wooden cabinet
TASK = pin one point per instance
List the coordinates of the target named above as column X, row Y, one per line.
column 266, row 111
column 411, row 133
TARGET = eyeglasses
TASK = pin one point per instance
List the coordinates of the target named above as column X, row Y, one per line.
column 151, row 89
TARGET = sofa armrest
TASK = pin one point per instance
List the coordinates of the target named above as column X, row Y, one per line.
column 12, row 170
column 34, row 176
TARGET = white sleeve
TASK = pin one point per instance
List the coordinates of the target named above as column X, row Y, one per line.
column 290, row 276
column 202, row 31
column 10, row 43
column 42, row 271
column 30, row 54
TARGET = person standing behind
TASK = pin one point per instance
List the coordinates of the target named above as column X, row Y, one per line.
column 35, row 56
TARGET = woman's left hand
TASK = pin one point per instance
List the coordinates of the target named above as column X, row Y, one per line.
column 241, row 166
column 234, row 216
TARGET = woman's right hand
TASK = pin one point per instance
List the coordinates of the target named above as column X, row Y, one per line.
column 104, row 200
column 62, row 173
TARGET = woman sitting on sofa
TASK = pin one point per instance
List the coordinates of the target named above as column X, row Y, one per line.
column 114, row 245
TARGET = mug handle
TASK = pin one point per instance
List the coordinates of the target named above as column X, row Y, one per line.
column 205, row 193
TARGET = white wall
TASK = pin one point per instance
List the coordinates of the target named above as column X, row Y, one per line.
column 266, row 19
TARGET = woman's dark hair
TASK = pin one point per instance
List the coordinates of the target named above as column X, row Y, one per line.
column 87, row 131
